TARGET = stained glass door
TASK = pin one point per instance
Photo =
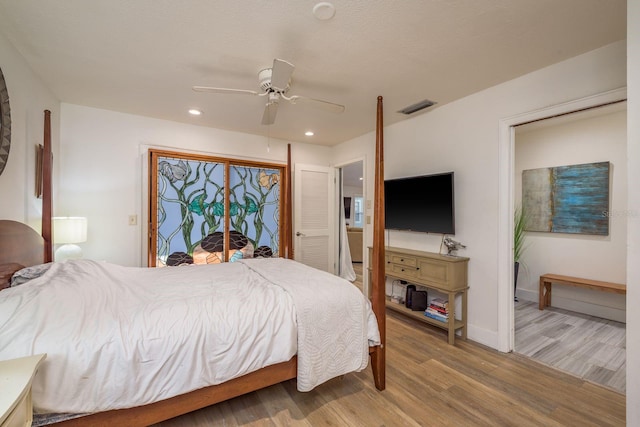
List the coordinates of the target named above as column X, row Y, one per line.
column 254, row 211
column 190, row 203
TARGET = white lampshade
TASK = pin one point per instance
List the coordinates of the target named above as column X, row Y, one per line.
column 68, row 230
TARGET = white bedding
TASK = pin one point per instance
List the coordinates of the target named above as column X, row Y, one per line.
column 333, row 337
column 118, row 337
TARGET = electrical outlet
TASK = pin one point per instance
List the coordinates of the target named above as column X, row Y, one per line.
column 133, row 219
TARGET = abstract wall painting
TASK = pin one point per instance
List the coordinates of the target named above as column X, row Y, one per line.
column 567, row 199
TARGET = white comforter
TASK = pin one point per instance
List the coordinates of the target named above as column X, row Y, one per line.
column 119, row 337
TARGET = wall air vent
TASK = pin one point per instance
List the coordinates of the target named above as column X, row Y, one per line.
column 417, row 107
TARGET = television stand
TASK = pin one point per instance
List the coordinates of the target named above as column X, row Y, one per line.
column 444, row 273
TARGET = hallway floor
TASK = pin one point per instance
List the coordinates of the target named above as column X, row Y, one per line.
column 589, row 347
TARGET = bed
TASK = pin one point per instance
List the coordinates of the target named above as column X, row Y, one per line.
column 289, row 339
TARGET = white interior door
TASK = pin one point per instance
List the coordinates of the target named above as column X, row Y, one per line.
column 314, row 216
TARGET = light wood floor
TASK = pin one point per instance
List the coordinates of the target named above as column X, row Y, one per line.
column 589, row 347
column 429, row 383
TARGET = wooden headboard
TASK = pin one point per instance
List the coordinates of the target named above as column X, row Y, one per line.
column 20, row 245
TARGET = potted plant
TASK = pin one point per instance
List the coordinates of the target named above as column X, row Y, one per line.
column 519, row 223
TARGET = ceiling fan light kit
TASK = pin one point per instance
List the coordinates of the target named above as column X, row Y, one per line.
column 275, row 82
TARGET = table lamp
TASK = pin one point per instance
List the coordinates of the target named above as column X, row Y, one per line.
column 68, row 230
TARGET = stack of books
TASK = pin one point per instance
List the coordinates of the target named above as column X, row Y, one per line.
column 438, row 309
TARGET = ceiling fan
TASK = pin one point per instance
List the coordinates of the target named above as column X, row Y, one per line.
column 275, row 83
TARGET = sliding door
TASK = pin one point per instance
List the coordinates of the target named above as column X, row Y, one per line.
column 206, row 210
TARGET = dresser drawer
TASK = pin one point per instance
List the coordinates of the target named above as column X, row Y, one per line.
column 401, row 271
column 407, row 261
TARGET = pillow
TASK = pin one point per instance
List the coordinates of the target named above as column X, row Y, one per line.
column 28, row 273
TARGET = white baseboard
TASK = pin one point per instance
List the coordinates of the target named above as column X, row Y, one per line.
column 577, row 306
column 482, row 336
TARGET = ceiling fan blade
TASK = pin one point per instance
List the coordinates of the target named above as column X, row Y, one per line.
column 269, row 115
column 281, row 74
column 319, row 103
column 224, row 90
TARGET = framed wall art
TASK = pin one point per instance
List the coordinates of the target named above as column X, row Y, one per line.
column 567, row 199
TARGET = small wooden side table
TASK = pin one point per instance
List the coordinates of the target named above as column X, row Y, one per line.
column 16, row 376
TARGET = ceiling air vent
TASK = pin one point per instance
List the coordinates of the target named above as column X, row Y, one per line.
column 417, row 107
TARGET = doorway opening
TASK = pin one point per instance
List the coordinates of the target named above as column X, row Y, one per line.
column 352, row 221
column 569, row 336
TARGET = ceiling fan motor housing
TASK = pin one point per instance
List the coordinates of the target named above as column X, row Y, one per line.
column 264, row 80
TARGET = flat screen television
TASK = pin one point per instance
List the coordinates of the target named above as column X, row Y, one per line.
column 420, row 203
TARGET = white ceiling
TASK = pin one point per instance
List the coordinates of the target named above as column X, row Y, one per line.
column 143, row 56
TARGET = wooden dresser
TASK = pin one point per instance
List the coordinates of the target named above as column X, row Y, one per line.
column 446, row 274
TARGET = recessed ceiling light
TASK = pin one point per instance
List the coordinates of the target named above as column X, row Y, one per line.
column 195, row 112
column 324, row 10
column 360, row 178
column 309, row 133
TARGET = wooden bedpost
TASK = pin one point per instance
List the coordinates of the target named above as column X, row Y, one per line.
column 47, row 205
column 378, row 277
column 288, row 220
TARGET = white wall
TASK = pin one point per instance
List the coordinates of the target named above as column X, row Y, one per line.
column 103, row 170
column 463, row 137
column 633, row 205
column 28, row 98
column 578, row 141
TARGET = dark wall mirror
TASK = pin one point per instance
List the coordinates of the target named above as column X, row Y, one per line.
column 5, row 123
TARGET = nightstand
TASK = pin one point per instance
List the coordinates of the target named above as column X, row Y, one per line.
column 16, row 376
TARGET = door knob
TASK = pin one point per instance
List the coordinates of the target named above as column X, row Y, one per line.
column 299, row 234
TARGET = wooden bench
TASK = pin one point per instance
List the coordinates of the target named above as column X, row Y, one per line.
column 546, row 280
